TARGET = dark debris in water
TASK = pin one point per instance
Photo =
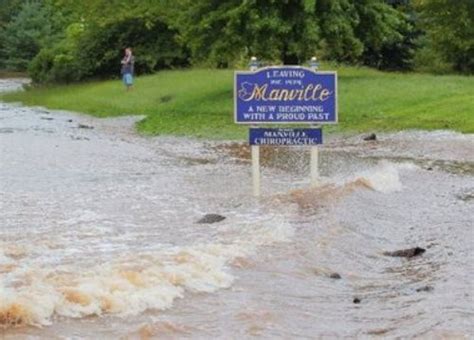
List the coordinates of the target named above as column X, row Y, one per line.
column 335, row 276
column 211, row 218
column 370, row 137
column 83, row 126
column 356, row 300
column 381, row 331
column 79, row 138
column 424, row 289
column 412, row 252
column 198, row 161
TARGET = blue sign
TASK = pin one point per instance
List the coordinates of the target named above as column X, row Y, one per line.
column 285, row 137
column 285, row 95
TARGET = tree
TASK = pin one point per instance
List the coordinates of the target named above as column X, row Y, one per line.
column 35, row 26
column 366, row 31
column 338, row 20
column 8, row 9
column 386, row 33
column 222, row 32
column 449, row 27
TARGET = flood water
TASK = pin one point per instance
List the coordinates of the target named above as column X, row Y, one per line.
column 99, row 240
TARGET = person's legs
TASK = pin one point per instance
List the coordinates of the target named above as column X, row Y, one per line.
column 128, row 81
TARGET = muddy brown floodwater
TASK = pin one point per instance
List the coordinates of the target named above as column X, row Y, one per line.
column 99, row 240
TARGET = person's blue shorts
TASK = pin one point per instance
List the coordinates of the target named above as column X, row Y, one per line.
column 128, row 79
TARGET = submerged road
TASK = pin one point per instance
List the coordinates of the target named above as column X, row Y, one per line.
column 98, row 235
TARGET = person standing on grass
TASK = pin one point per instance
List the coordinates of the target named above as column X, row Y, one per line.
column 128, row 62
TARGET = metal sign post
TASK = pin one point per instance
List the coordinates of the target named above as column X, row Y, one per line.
column 256, row 169
column 314, row 158
column 314, row 166
column 255, row 149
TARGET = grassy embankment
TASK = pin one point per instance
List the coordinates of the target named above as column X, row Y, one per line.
column 200, row 102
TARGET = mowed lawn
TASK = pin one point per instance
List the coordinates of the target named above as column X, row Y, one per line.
column 199, row 102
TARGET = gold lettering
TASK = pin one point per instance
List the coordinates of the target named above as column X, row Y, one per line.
column 306, row 92
column 300, row 94
column 293, row 94
column 274, row 94
column 324, row 95
column 284, row 95
column 259, row 92
column 310, row 92
column 317, row 88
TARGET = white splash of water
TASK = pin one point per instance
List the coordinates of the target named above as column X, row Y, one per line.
column 385, row 177
column 132, row 284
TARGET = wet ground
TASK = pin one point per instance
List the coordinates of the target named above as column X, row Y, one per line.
column 98, row 235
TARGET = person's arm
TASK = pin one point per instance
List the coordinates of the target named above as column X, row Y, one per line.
column 126, row 59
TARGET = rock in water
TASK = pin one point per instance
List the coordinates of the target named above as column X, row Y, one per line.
column 356, row 300
column 211, row 218
column 425, row 289
column 406, row 252
column 83, row 126
column 335, row 276
column 372, row 136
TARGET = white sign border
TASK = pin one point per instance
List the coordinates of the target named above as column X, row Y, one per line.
column 336, row 106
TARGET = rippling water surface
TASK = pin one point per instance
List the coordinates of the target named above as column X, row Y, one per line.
column 98, row 235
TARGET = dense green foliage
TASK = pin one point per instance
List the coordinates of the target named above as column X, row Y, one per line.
column 450, row 31
column 70, row 40
column 94, row 51
column 199, row 102
column 35, row 26
column 66, row 40
column 338, row 20
column 368, row 31
column 222, row 32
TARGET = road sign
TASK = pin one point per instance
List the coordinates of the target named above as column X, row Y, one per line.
column 288, row 94
column 285, row 137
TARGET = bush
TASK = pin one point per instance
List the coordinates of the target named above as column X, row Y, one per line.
column 154, row 47
column 56, row 66
column 429, row 60
column 61, row 63
column 96, row 51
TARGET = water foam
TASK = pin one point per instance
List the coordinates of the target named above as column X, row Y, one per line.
column 132, row 284
column 385, row 177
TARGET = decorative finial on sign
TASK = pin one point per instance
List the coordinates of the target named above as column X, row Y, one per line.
column 253, row 64
column 314, row 64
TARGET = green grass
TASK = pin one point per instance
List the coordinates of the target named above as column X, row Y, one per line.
column 199, row 102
